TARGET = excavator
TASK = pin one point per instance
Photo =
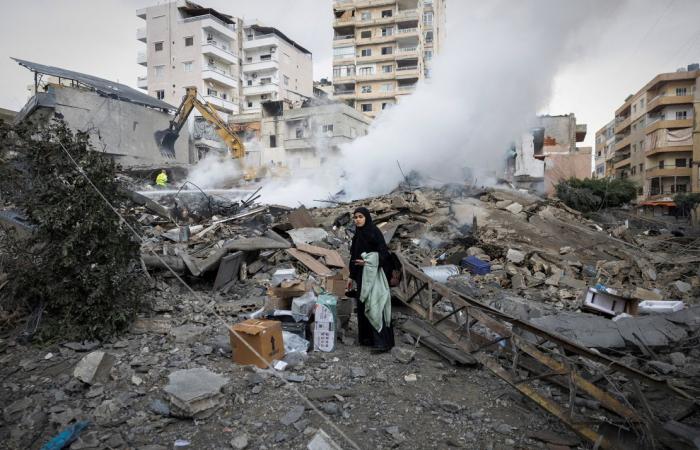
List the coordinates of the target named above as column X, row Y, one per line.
column 166, row 138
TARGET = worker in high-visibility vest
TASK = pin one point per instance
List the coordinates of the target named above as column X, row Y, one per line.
column 162, row 178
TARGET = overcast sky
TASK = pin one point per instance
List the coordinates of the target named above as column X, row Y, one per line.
column 99, row 37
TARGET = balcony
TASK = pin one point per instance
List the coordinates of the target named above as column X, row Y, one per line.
column 621, row 164
column 662, row 123
column 219, row 50
column 375, row 95
column 344, row 22
column 622, row 143
column 214, row 23
column 142, row 83
column 260, row 66
column 339, row 59
column 407, row 14
column 344, row 94
column 376, row 58
column 366, row 3
column 669, row 172
column 622, row 123
column 665, row 100
column 343, row 40
column 219, row 75
column 141, row 59
column 376, row 76
column 407, row 32
column 403, row 73
column 141, row 34
column 347, row 78
column 262, row 40
column 220, row 103
column 407, row 53
column 259, row 89
column 375, row 21
column 141, row 13
column 407, row 89
column 342, row 4
column 668, row 149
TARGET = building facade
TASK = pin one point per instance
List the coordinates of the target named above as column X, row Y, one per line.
column 234, row 66
column 382, row 48
column 656, row 137
column 604, row 142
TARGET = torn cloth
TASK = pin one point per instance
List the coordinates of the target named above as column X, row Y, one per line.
column 375, row 293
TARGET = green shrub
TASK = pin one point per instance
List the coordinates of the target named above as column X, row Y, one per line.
column 77, row 273
column 686, row 202
column 591, row 194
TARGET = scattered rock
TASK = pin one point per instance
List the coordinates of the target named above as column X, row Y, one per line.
column 194, row 392
column 292, row 415
column 515, row 256
column 450, row 407
column 94, row 367
column 159, row 407
column 403, row 355
column 515, row 208
column 410, row 378
column 661, row 367
column 677, row 359
column 240, row 442
column 504, row 428
column 358, row 372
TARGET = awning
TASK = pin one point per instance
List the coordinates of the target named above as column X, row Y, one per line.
column 659, row 203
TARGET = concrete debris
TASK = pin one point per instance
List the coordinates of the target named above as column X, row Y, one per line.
column 94, row 367
column 195, row 392
column 515, row 256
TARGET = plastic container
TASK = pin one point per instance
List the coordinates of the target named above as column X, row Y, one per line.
column 660, row 306
column 441, row 273
column 476, row 266
column 282, row 274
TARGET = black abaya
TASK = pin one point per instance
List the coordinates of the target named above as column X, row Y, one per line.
column 369, row 239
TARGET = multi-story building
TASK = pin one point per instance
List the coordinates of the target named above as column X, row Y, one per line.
column 656, row 136
column 604, row 142
column 381, row 48
column 235, row 66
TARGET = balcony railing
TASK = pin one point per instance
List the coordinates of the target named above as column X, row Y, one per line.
column 344, row 92
column 407, row 88
column 343, row 37
column 399, row 69
column 407, row 49
column 230, row 26
column 407, row 30
column 221, row 46
column 407, row 13
column 260, row 36
column 219, row 70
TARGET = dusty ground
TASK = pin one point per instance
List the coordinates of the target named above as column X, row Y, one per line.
column 364, row 394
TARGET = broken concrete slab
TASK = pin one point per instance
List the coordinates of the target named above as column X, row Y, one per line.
column 94, row 367
column 188, row 333
column 586, row 329
column 515, row 256
column 149, row 325
column 292, row 415
column 307, row 235
column 403, row 355
column 194, row 393
column 515, row 208
column 321, row 441
column 228, row 269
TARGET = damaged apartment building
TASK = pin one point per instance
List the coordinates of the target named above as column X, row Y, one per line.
column 655, row 140
column 121, row 121
column 548, row 153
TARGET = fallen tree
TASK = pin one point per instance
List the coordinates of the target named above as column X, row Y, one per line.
column 76, row 274
column 591, row 194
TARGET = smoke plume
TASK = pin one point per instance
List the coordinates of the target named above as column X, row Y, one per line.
column 495, row 71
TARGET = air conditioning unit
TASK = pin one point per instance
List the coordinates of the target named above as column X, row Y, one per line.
column 273, row 49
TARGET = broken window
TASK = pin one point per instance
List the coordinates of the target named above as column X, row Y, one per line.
column 158, row 46
column 384, row 105
column 366, row 107
column 366, row 34
column 387, row 50
column 366, row 89
column 273, row 141
column 263, row 97
column 160, row 95
column 366, row 52
column 681, row 91
column 189, row 41
column 250, row 104
column 387, row 13
column 680, row 162
column 681, row 115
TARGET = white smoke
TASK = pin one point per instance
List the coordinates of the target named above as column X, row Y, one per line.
column 495, row 71
column 215, row 171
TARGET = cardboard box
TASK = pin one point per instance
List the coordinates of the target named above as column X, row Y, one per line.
column 264, row 336
column 338, row 283
column 281, row 297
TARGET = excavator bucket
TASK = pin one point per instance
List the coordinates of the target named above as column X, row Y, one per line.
column 166, row 142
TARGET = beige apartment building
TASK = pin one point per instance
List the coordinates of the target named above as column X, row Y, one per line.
column 604, row 151
column 656, row 137
column 235, row 66
column 382, row 48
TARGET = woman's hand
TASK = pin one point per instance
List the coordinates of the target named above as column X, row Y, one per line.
column 359, row 262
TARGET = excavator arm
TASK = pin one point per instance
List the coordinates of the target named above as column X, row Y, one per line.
column 167, row 138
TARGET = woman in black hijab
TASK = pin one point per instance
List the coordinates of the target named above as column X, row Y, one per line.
column 368, row 238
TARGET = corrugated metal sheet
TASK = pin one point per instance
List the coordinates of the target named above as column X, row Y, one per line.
column 100, row 85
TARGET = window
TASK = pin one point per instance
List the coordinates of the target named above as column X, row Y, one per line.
column 681, row 162
column 343, row 52
column 327, row 128
column 641, row 168
column 211, row 92
column 160, row 95
column 428, row 18
column 366, row 89
column 387, row 69
column 187, row 66
column 273, row 141
column 365, row 16
column 387, row 87
column 250, row 82
column 263, row 97
column 368, row 70
column 634, row 109
column 250, row 104
column 343, row 71
column 366, row 52
column 189, row 41
column 681, row 188
column 265, row 57
column 387, row 50
column 366, row 107
column 158, row 46
column 661, row 164
column 249, row 59
column 682, row 91
column 266, row 80
column 681, row 115
column 387, row 13
column 641, row 103
column 300, row 133
column 365, row 34
column 159, row 71
column 428, row 37
column 428, row 55
column 634, row 148
column 286, row 80
column 387, row 31
column 634, row 170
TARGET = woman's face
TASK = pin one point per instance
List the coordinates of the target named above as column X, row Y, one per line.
column 359, row 219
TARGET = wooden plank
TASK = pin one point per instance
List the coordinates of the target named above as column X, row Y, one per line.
column 331, row 257
column 307, row 260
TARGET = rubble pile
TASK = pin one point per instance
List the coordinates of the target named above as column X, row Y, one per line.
column 173, row 380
